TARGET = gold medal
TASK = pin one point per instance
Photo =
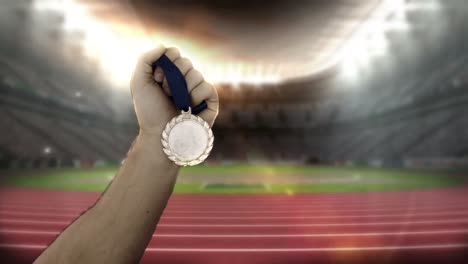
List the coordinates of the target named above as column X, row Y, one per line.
column 187, row 139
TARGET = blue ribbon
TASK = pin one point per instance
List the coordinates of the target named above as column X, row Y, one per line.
column 177, row 85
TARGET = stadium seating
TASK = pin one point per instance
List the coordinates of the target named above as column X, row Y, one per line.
column 416, row 112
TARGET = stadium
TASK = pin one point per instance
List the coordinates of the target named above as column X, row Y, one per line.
column 341, row 136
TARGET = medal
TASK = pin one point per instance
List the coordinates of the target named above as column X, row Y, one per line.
column 187, row 139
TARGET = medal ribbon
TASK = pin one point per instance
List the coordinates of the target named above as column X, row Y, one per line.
column 177, row 85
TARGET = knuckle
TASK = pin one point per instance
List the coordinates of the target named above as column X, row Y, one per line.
column 196, row 74
column 185, row 62
column 172, row 49
column 214, row 94
column 194, row 77
column 173, row 52
column 142, row 57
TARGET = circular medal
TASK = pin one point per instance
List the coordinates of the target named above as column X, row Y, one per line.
column 187, row 139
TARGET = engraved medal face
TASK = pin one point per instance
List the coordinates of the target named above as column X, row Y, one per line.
column 187, row 139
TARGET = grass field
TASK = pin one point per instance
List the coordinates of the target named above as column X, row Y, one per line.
column 314, row 179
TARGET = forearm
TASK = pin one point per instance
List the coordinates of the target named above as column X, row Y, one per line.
column 126, row 214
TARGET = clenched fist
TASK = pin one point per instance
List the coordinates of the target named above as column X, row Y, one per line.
column 153, row 106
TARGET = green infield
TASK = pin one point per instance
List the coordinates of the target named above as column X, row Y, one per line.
column 240, row 178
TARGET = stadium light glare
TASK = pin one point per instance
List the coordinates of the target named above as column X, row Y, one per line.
column 398, row 10
column 74, row 16
column 47, row 150
column 427, row 5
column 397, row 26
column 370, row 40
column 350, row 70
column 47, row 5
column 102, row 41
column 377, row 44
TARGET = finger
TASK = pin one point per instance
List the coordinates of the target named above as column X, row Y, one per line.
column 209, row 116
column 143, row 70
column 165, row 87
column 193, row 79
column 184, row 65
column 158, row 74
column 206, row 92
column 151, row 56
column 171, row 53
column 146, row 60
column 203, row 92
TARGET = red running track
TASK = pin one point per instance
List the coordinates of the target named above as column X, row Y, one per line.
column 429, row 226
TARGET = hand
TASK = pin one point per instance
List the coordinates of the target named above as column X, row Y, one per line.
column 152, row 104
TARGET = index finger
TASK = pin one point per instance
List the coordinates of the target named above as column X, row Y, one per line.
column 206, row 92
column 144, row 70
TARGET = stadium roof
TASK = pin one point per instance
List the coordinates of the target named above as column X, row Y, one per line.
column 230, row 41
column 233, row 42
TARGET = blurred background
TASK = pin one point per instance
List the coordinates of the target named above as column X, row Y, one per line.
column 315, row 96
column 369, row 82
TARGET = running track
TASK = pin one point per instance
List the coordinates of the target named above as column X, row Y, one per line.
column 387, row 227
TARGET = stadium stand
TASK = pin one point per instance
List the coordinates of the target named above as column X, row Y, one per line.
column 328, row 133
column 409, row 111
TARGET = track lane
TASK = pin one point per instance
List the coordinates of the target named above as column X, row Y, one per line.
column 278, row 219
column 437, row 253
column 413, row 226
column 310, row 240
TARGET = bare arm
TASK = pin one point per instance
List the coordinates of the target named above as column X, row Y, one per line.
column 119, row 226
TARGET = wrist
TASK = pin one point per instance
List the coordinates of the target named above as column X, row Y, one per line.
column 150, row 140
column 149, row 145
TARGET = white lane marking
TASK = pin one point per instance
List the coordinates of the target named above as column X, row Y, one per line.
column 364, row 204
column 422, row 222
column 12, row 220
column 38, row 208
column 27, row 213
column 378, row 209
column 169, row 210
column 252, row 205
column 248, row 198
column 54, row 208
column 336, row 216
column 22, row 246
column 402, row 233
column 363, row 200
column 323, row 249
column 59, row 200
column 409, row 233
column 409, row 214
column 28, row 232
column 352, row 201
